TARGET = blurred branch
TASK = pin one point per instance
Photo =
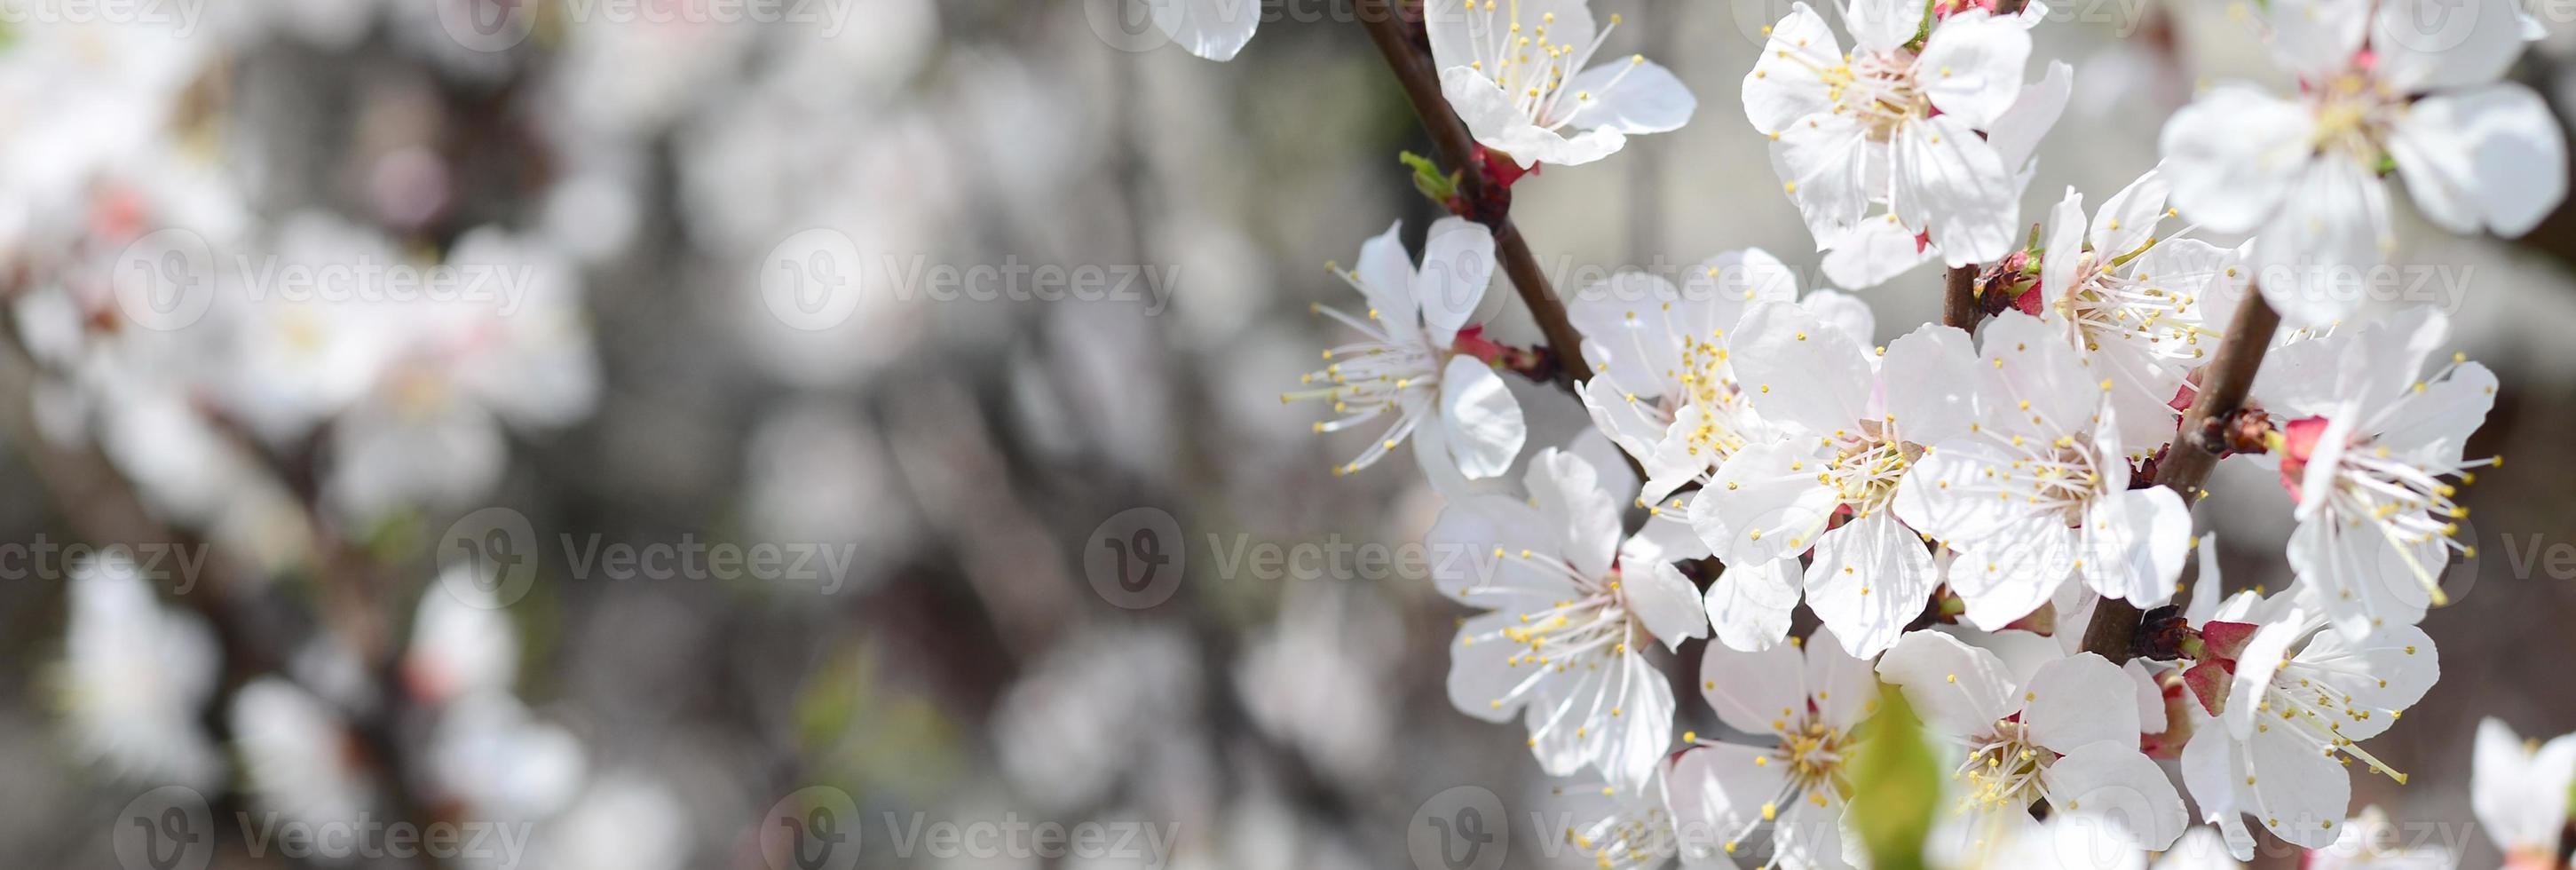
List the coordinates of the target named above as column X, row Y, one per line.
column 2186, row 465
column 256, row 632
column 1408, row 55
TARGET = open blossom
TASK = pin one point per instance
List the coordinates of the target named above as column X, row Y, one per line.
column 2302, row 693
column 1896, row 121
column 1882, row 247
column 1413, row 359
column 1665, row 392
column 1807, row 699
column 2410, row 85
column 1569, row 616
column 1851, row 423
column 135, row 674
column 1520, row 74
column 2519, row 790
column 2065, row 732
column 2037, row 491
column 2367, row 446
column 2146, row 309
column 1617, row 830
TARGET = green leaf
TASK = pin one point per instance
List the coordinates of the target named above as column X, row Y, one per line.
column 1428, row 179
column 1896, row 786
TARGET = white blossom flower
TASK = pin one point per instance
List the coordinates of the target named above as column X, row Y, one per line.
column 1614, row 829
column 1666, row 393
column 1852, row 423
column 1569, row 616
column 1212, row 29
column 2421, row 97
column 1808, row 698
column 294, row 749
column 135, row 674
column 2066, row 733
column 1896, row 121
column 2038, row 490
column 1881, row 247
column 1515, row 71
column 2303, row 693
column 2139, row 304
column 1410, row 359
column 2519, row 789
column 2366, row 443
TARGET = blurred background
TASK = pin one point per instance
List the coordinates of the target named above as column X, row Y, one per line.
column 615, row 431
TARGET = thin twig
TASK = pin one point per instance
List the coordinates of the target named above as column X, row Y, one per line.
column 1411, row 63
column 2187, row 464
column 1959, row 299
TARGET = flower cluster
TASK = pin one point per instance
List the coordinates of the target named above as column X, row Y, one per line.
column 1955, row 505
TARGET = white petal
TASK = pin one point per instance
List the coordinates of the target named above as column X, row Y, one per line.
column 1927, row 382
column 1764, row 503
column 1645, row 98
column 2128, row 219
column 1667, row 603
column 2141, row 538
column 1971, row 66
column 1483, row 682
column 2490, row 156
column 1385, row 275
column 1749, row 606
column 1800, row 370
column 1870, row 577
column 1717, row 789
column 2213, row 770
column 2016, row 133
column 2064, row 253
column 1958, row 689
column 1784, row 85
column 1568, row 493
column 1457, row 264
column 1499, row 123
column 2426, row 45
column 2518, row 794
column 1465, row 569
column 1629, row 317
column 2233, row 154
column 1950, row 181
column 2316, row 38
column 2115, row 781
column 1751, row 690
column 1483, row 420
column 2079, row 700
column 1213, row 29
column 1881, row 25
column 1820, row 161
column 1874, row 251
column 2300, row 793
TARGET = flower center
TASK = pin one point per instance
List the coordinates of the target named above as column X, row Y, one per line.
column 2354, row 112
column 1533, row 65
column 2003, row 768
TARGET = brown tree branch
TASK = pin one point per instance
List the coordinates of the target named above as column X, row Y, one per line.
column 1410, row 59
column 2187, row 463
column 1959, row 299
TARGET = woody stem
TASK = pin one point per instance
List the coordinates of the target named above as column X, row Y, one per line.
column 1408, row 56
